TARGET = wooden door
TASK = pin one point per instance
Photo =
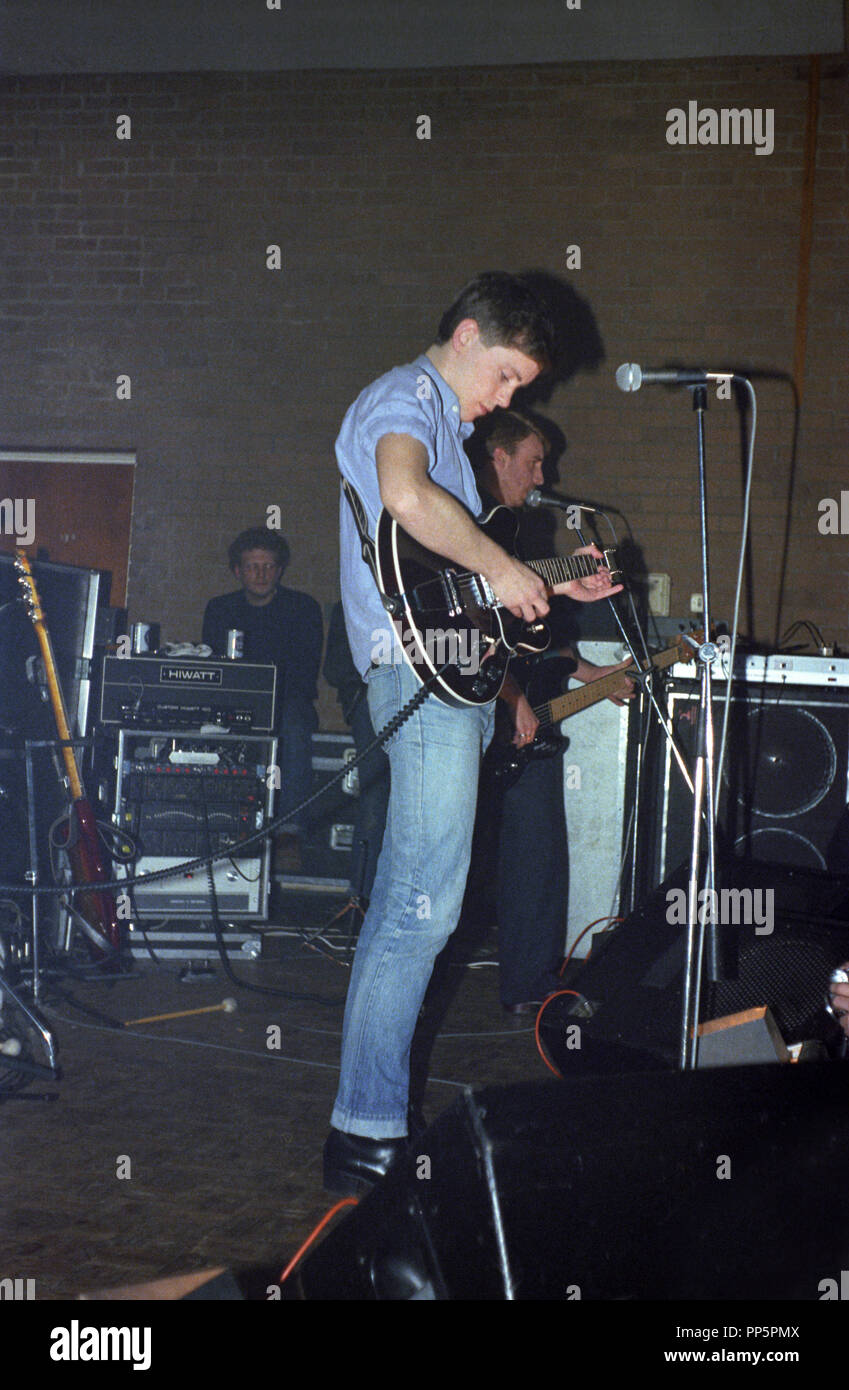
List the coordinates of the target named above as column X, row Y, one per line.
column 73, row 509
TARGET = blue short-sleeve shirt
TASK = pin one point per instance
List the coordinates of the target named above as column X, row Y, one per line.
column 415, row 400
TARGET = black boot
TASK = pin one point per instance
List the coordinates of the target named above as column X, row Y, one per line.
column 353, row 1163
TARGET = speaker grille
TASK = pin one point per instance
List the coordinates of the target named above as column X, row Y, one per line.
column 784, row 788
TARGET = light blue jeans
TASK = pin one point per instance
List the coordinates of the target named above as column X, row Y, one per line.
column 416, row 897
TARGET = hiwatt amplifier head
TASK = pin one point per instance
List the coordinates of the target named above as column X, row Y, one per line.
column 177, row 693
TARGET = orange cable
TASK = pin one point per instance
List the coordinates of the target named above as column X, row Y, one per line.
column 583, row 933
column 345, row 1202
column 544, row 1005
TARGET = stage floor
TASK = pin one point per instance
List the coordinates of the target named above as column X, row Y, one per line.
column 196, row 1142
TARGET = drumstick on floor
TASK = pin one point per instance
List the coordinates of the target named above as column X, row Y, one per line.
column 228, row 1006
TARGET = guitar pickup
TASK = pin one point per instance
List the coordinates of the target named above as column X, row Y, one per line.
column 451, row 593
column 482, row 592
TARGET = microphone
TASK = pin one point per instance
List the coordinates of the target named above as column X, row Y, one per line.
column 538, row 498
column 630, row 377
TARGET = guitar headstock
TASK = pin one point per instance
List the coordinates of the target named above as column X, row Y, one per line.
column 27, row 583
column 688, row 644
column 611, row 560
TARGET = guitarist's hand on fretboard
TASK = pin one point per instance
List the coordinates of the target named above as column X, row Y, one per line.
column 586, row 672
column 624, row 692
column 592, row 586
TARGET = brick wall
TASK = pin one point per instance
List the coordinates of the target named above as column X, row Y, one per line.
column 147, row 257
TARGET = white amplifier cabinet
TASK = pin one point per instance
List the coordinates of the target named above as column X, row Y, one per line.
column 779, row 669
column 598, row 799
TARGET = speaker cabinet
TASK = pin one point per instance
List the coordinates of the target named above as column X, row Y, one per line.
column 727, row 1184
column 792, row 929
column 785, row 785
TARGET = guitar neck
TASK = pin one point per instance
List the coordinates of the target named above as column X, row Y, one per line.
column 59, row 715
column 57, row 703
column 561, row 569
column 590, row 694
column 99, row 910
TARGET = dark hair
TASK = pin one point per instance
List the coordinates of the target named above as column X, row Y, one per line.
column 259, row 538
column 508, row 313
column 504, row 429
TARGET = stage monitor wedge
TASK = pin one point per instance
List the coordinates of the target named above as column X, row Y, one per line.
column 727, row 1184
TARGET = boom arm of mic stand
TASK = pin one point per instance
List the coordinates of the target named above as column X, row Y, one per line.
column 664, row 723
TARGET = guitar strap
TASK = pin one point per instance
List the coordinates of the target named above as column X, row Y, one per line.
column 361, row 522
column 367, row 547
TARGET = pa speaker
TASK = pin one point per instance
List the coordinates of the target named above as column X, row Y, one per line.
column 783, row 796
column 781, row 931
column 727, row 1184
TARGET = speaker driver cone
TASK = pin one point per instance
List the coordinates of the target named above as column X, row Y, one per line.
column 788, row 762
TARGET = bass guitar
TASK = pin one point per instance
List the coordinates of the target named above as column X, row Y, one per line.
column 449, row 621
column 97, row 906
column 506, row 761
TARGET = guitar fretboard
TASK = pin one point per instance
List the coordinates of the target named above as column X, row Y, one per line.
column 589, row 694
column 563, row 568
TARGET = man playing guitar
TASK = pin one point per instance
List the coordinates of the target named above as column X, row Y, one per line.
column 401, row 447
column 526, row 818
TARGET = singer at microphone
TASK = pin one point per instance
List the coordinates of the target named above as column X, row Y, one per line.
column 537, row 498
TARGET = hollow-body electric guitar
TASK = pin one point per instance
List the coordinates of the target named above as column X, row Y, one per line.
column 450, row 622
column 83, row 849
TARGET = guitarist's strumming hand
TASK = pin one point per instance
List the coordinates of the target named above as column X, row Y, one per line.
column 523, row 593
column 525, row 722
column 438, row 521
column 593, row 586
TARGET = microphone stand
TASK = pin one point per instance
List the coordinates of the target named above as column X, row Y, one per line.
column 31, row 1013
column 704, row 801
column 644, row 677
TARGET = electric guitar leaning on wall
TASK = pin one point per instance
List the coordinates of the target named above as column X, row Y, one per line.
column 444, row 614
column 506, row 761
column 96, row 906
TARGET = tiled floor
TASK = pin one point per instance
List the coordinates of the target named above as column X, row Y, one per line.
column 196, row 1142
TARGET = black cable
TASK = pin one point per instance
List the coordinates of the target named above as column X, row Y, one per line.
column 386, row 733
column 222, row 946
